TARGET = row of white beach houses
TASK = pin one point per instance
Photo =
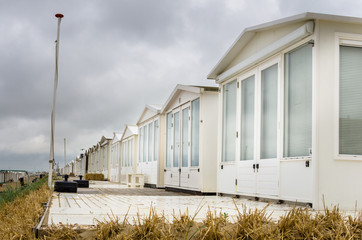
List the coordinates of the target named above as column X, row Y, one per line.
column 284, row 123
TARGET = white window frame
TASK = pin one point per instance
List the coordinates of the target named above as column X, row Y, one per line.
column 349, row 40
column 282, row 99
column 237, row 128
column 253, row 72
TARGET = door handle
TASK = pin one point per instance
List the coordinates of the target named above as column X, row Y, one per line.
column 257, row 167
column 254, row 167
column 179, row 169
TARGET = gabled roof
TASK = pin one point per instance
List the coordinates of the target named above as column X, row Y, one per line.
column 129, row 130
column 104, row 140
column 116, row 137
column 156, row 108
column 249, row 33
column 187, row 88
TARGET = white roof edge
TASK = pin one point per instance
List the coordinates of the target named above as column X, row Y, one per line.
column 181, row 87
column 152, row 107
column 132, row 128
column 249, row 32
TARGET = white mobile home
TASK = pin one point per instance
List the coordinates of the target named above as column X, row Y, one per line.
column 191, row 138
column 151, row 146
column 128, row 152
column 115, row 157
column 290, row 111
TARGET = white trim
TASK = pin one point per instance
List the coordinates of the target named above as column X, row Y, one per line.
column 289, row 39
column 350, row 40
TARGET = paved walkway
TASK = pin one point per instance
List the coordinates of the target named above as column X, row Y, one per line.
column 104, row 200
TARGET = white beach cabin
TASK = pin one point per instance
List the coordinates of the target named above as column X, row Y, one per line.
column 105, row 156
column 191, row 139
column 129, row 149
column 115, row 157
column 290, row 125
column 151, row 157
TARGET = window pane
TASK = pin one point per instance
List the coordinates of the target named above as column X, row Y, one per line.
column 130, row 153
column 269, row 107
column 185, row 137
column 127, row 153
column 140, row 144
column 247, row 118
column 229, row 122
column 195, row 129
column 145, row 146
column 124, row 153
column 298, row 102
column 150, row 141
column 350, row 101
column 176, row 139
column 169, row 140
column 157, row 141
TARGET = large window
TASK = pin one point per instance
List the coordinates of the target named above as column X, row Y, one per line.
column 229, row 122
column 145, row 145
column 350, row 100
column 185, row 137
column 298, row 102
column 195, row 131
column 140, row 145
column 269, row 110
column 157, row 141
column 176, row 139
column 130, row 159
column 247, row 118
column 169, row 140
column 150, row 141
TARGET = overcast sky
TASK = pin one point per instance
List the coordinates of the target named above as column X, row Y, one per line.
column 115, row 57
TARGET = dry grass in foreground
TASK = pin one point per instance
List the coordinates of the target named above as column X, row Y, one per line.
column 298, row 223
column 19, row 217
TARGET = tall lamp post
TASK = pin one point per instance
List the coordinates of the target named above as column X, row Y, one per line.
column 51, row 161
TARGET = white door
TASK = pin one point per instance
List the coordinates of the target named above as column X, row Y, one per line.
column 169, row 152
column 246, row 165
column 185, row 146
column 258, row 166
column 194, row 164
column 175, row 171
column 267, row 163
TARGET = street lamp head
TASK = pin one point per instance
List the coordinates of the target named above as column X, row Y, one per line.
column 59, row 15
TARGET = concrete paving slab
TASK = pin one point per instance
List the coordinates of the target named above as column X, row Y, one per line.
column 104, row 200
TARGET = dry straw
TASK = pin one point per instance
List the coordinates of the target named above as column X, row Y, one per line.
column 94, row 176
column 18, row 218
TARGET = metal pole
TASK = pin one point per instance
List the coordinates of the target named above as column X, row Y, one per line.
column 51, row 161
